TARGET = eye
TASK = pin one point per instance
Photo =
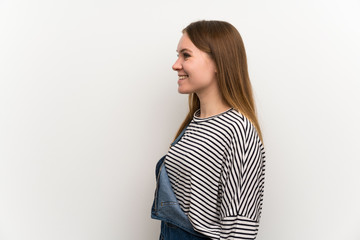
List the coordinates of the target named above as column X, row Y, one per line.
column 185, row 55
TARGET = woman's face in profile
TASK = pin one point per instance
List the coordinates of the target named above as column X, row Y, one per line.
column 196, row 70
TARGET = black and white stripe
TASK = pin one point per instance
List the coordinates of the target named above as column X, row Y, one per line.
column 217, row 172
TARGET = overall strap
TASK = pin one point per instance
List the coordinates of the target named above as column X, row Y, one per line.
column 180, row 135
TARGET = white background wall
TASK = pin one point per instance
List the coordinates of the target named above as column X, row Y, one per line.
column 89, row 103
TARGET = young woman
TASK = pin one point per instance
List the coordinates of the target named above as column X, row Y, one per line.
column 210, row 184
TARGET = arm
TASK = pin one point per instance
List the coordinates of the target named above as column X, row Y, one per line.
column 242, row 184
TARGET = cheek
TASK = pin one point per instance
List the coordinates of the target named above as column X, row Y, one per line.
column 200, row 79
column 205, row 73
column 200, row 74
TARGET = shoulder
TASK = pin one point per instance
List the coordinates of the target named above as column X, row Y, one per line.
column 239, row 123
column 243, row 132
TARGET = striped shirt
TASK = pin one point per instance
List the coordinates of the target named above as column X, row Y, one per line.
column 217, row 172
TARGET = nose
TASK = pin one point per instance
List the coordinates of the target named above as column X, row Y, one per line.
column 177, row 65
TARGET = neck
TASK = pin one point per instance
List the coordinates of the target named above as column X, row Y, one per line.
column 211, row 102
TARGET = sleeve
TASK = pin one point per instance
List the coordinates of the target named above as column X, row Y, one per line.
column 242, row 185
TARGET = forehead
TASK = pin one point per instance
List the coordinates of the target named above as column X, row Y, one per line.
column 185, row 44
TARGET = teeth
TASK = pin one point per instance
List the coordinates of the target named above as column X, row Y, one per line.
column 183, row 77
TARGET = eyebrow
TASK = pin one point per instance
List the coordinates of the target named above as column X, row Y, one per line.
column 184, row 49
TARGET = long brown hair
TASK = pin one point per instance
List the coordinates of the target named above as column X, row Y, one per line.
column 223, row 43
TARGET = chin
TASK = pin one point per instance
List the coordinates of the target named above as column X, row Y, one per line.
column 183, row 91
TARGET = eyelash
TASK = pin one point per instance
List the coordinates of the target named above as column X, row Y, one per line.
column 185, row 55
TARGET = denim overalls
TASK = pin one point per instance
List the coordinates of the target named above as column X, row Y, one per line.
column 175, row 225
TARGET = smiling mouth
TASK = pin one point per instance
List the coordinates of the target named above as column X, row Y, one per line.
column 183, row 77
